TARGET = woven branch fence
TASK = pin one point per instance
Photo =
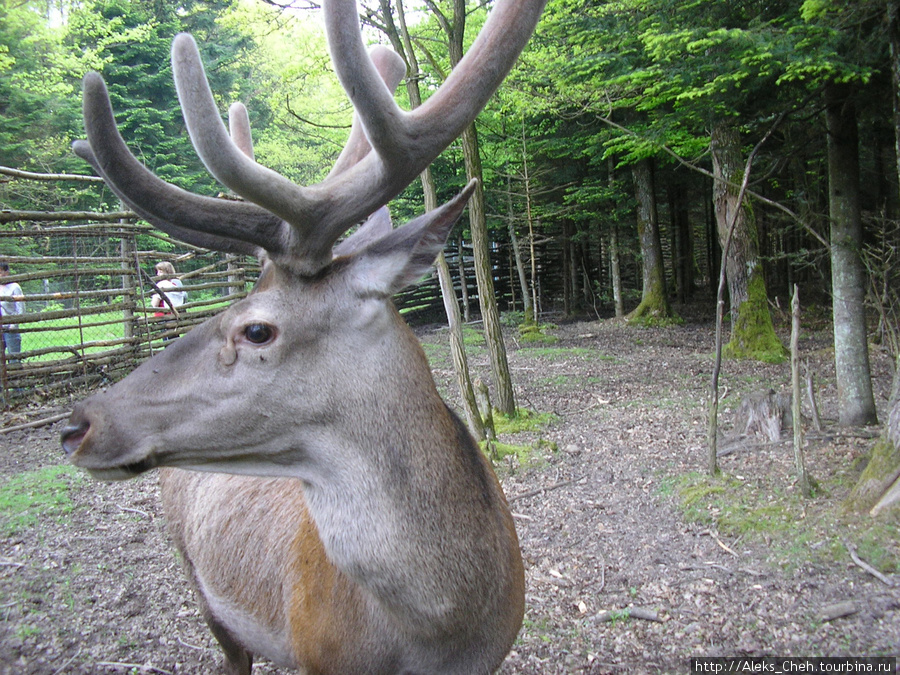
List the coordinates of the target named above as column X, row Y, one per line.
column 87, row 315
column 86, row 287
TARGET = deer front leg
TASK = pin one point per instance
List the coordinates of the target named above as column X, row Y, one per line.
column 238, row 661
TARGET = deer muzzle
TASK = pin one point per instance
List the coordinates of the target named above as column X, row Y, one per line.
column 87, row 447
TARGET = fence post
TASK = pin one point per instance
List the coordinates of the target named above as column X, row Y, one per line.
column 235, row 275
column 128, row 247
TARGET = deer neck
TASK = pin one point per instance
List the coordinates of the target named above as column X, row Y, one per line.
column 391, row 495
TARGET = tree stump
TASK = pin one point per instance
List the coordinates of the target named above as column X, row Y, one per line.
column 764, row 413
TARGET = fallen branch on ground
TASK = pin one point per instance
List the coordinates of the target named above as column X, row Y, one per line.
column 866, row 566
column 628, row 613
column 36, row 423
column 532, row 493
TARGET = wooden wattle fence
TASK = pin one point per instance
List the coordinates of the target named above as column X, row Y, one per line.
column 88, row 319
column 87, row 316
column 86, row 285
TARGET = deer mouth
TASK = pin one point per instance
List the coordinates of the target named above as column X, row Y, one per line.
column 122, row 472
column 73, row 439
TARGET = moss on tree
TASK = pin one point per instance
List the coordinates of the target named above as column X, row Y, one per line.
column 654, row 309
column 752, row 332
column 882, row 471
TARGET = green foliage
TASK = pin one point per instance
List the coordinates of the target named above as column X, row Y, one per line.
column 39, row 108
column 282, row 75
column 129, row 43
column 299, row 114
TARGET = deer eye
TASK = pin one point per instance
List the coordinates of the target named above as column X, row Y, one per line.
column 258, row 333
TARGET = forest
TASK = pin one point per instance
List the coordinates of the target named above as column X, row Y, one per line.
column 633, row 142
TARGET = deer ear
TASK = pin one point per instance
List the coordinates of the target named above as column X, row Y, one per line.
column 403, row 256
column 376, row 226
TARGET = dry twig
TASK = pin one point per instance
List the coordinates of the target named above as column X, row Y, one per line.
column 532, row 493
column 866, row 566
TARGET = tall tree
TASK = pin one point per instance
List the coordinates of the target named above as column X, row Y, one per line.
column 752, row 332
column 840, row 48
column 654, row 303
column 454, row 30
column 848, row 278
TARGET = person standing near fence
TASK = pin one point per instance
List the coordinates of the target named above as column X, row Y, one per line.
column 11, row 304
column 171, row 287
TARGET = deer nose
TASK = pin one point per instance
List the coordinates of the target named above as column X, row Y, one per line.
column 73, row 434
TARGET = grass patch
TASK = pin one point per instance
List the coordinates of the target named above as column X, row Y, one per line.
column 563, row 353
column 437, row 354
column 524, row 454
column 536, row 336
column 35, row 495
column 66, row 332
column 524, row 420
column 795, row 530
column 472, row 337
column 537, row 333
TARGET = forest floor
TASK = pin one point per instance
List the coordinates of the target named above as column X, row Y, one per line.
column 635, row 560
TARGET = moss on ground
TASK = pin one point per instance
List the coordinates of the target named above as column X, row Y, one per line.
column 795, row 530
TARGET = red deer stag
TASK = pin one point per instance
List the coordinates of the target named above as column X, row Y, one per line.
column 335, row 516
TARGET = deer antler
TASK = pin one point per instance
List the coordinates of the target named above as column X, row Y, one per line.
column 239, row 128
column 387, row 148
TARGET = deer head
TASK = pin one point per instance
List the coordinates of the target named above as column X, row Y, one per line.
column 314, row 376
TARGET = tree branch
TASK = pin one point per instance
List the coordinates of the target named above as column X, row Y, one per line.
column 30, row 175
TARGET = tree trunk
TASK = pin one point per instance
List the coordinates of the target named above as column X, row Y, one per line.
column 752, row 332
column 654, row 303
column 458, row 350
column 856, row 402
column 881, row 476
column 614, row 273
column 567, row 266
column 893, row 16
column 463, row 279
column 893, row 12
column 402, row 43
column 528, row 308
column 487, row 301
column 682, row 239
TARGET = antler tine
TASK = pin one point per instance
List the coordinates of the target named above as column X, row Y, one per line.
column 391, row 69
column 222, row 157
column 232, row 226
column 192, row 237
column 317, row 214
column 239, row 128
column 408, row 142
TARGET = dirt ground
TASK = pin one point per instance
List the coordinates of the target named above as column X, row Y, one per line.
column 613, row 513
